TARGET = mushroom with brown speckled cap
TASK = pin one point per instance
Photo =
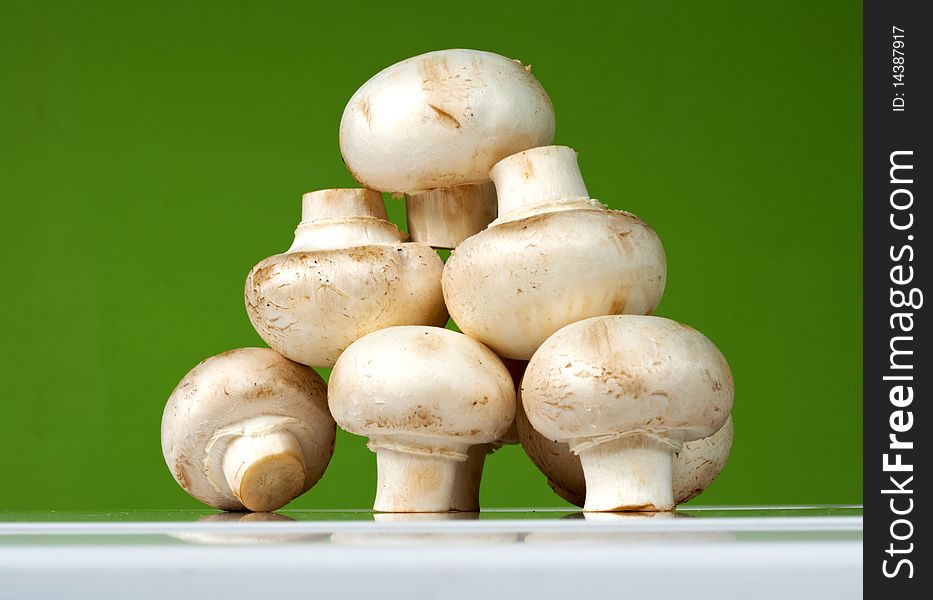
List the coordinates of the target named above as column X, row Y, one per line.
column 248, row 429
column 349, row 272
column 625, row 392
column 423, row 396
column 433, row 125
column 553, row 256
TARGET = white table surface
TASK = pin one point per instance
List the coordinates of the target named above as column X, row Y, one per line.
column 752, row 552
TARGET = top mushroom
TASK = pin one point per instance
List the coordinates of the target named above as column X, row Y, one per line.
column 434, row 125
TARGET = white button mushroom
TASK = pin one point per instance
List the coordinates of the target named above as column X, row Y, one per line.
column 552, row 257
column 423, row 396
column 625, row 392
column 248, row 429
column 433, row 125
column 348, row 273
column 696, row 466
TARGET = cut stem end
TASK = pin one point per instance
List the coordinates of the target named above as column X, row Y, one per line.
column 265, row 472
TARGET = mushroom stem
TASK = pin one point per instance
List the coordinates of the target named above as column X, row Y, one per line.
column 265, row 471
column 539, row 180
column 444, row 217
column 466, row 489
column 343, row 218
column 415, row 482
column 630, row 473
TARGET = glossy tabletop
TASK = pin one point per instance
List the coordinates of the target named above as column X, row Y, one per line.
column 753, row 552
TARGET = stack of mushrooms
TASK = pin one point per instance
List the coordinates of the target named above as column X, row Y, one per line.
column 620, row 410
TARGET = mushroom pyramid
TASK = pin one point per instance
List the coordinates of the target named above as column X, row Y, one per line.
column 551, row 290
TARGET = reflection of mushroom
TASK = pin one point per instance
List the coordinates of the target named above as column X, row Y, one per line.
column 348, row 273
column 416, row 535
column 695, row 467
column 246, row 517
column 625, row 392
column 423, row 396
column 248, row 429
column 433, row 125
column 635, row 528
column 232, row 536
column 554, row 256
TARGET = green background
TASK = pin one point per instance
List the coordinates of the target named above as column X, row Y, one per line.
column 149, row 156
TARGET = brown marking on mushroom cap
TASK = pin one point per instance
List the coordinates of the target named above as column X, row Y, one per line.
column 685, row 327
column 295, row 377
column 619, row 302
column 559, row 406
column 717, row 384
column 363, row 105
column 288, row 376
column 369, row 253
column 618, row 381
column 434, row 69
column 624, row 243
column 263, row 271
column 180, row 475
column 730, row 380
column 429, row 342
column 595, row 335
column 445, row 118
column 420, row 418
column 263, row 391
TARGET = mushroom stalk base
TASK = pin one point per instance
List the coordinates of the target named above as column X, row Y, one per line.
column 265, row 471
column 443, row 218
column 632, row 473
column 409, row 482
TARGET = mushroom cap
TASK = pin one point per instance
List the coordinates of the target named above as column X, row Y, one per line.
column 562, row 467
column 309, row 306
column 223, row 394
column 516, row 283
column 442, row 119
column 422, row 383
column 695, row 467
column 701, row 461
column 610, row 376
